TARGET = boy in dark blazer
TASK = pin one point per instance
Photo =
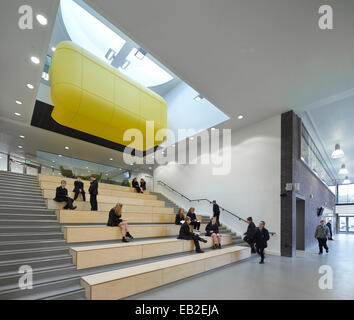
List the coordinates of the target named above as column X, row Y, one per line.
column 93, row 190
column 79, row 188
column 61, row 195
column 186, row 234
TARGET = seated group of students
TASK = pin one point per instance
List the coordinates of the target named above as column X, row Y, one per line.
column 62, row 195
column 115, row 219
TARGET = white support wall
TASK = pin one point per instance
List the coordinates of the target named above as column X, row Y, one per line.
column 252, row 188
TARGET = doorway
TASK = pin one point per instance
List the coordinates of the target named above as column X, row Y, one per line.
column 346, row 224
column 300, row 224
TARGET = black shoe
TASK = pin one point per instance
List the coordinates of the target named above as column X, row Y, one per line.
column 203, row 240
column 214, row 246
column 327, row 251
column 320, row 253
column 73, row 208
column 125, row 240
column 261, row 262
column 199, row 251
column 129, row 235
column 219, row 246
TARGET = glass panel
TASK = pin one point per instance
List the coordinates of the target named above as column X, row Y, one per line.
column 346, row 193
column 32, row 171
column 343, row 224
column 16, row 167
column 313, row 158
column 351, row 224
column 3, row 162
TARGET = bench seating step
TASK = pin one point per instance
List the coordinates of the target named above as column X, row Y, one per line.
column 89, row 233
column 48, row 191
column 55, row 179
column 117, row 284
column 103, row 206
column 99, row 255
column 70, row 216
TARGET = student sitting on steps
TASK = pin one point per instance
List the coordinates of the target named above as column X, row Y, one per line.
column 180, row 217
column 61, row 195
column 186, row 234
column 194, row 222
column 115, row 220
column 212, row 230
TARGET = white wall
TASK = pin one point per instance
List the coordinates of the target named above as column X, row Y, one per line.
column 252, row 188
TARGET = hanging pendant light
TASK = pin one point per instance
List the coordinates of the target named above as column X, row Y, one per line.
column 346, row 180
column 338, row 152
column 343, row 170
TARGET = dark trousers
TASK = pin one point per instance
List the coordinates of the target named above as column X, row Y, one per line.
column 322, row 243
column 138, row 190
column 251, row 244
column 77, row 192
column 93, row 201
column 195, row 224
column 69, row 203
column 196, row 240
column 260, row 251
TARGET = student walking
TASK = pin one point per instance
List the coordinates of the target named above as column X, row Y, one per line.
column 321, row 234
column 329, row 225
column 260, row 239
column 250, row 234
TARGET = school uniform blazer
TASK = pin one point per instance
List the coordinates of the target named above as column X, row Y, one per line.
column 185, row 233
column 261, row 238
column 143, row 185
column 94, row 188
column 113, row 219
column 192, row 215
column 135, row 184
column 61, row 194
column 78, row 185
column 179, row 219
column 211, row 227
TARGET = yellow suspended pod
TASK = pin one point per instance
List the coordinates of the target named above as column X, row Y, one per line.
column 96, row 98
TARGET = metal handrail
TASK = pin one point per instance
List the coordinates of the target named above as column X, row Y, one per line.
column 207, row 200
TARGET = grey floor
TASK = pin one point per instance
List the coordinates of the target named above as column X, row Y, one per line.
column 278, row 278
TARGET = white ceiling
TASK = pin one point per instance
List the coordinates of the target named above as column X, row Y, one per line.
column 252, row 57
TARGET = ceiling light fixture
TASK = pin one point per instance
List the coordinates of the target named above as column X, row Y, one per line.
column 42, row 19
column 346, row 180
column 35, row 60
column 22, row 137
column 240, row 117
column 191, row 138
column 338, row 152
column 30, row 86
column 17, row 114
column 59, row 155
column 67, row 148
column 18, row 102
column 140, row 54
column 20, row 147
column 111, row 159
column 198, row 98
column 53, row 49
column 213, row 129
column 343, row 169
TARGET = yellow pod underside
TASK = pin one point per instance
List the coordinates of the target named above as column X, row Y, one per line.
column 96, row 98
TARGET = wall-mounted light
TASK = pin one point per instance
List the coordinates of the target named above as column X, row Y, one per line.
column 140, row 53
column 198, row 98
column 343, row 169
column 338, row 152
column 125, row 64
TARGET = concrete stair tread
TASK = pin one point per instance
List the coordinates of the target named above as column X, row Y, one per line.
column 28, row 260
column 78, row 294
column 30, row 250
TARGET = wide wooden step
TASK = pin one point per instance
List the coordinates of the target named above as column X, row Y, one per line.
column 106, row 206
column 55, row 179
column 48, row 191
column 99, row 255
column 117, row 284
column 69, row 216
column 103, row 233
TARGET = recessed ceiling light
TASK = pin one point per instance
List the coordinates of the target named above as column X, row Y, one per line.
column 106, row 174
column 67, row 148
column 120, row 169
column 240, row 117
column 150, row 168
column 18, row 102
column 17, row 114
column 35, row 60
column 20, row 147
column 30, row 86
column 53, row 161
column 52, row 166
column 59, row 155
column 42, row 19
column 111, row 159
column 22, row 137
column 53, row 49
column 198, row 98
